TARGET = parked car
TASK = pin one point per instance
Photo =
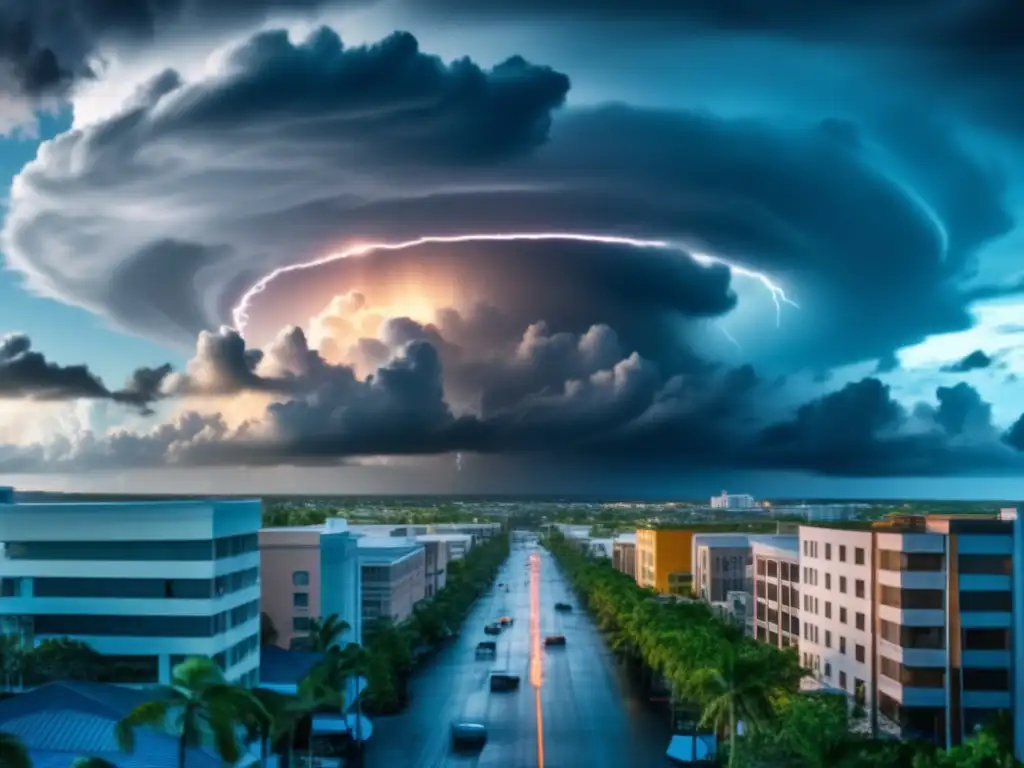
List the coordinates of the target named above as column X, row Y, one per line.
column 492, row 629
column 554, row 640
column 469, row 735
column 502, row 681
column 563, row 607
column 486, row 648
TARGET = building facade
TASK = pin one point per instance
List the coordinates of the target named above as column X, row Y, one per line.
column 394, row 580
column 664, row 560
column 624, row 554
column 732, row 501
column 919, row 614
column 720, row 565
column 147, row 584
column 310, row 572
column 435, row 562
column 776, row 591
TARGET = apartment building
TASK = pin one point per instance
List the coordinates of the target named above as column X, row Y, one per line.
column 776, row 590
column 720, row 565
column 732, row 501
column 145, row 583
column 624, row 553
column 393, row 577
column 664, row 560
column 311, row 572
column 914, row 617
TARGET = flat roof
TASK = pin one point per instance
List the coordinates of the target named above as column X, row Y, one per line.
column 445, row 537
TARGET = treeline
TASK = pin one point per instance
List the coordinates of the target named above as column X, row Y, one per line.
column 727, row 677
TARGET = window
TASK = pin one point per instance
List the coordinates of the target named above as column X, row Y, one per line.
column 913, row 637
column 858, row 588
column 828, row 551
column 300, row 579
column 300, row 624
column 842, row 615
column 915, row 677
column 842, row 679
column 858, row 653
column 842, row 645
column 891, row 560
column 816, row 610
column 928, row 599
column 858, row 556
column 842, row 553
column 300, row 600
column 828, row 669
column 773, row 569
column 859, row 621
column 828, row 581
column 987, row 639
column 986, row 564
column 842, row 584
column 828, row 609
column 986, row 679
column 828, row 639
column 1001, row 601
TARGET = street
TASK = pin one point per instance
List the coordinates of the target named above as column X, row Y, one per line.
column 589, row 714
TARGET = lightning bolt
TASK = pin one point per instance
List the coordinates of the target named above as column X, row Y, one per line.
column 240, row 314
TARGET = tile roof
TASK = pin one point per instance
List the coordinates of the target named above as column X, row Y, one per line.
column 61, row 721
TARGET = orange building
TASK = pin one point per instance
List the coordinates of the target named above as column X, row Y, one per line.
column 664, row 560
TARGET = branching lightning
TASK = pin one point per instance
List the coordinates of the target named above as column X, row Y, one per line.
column 240, row 314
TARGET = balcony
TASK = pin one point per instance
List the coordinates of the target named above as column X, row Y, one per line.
column 912, row 657
column 912, row 579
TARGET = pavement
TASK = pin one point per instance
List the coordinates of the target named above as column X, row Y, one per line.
column 590, row 713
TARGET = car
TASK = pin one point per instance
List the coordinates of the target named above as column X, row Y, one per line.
column 486, row 648
column 492, row 629
column 503, row 681
column 554, row 640
column 469, row 735
column 564, row 607
column 506, row 621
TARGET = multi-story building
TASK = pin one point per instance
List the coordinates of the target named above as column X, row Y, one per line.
column 624, row 553
column 435, row 563
column 720, row 565
column 145, row 583
column 393, row 577
column 817, row 513
column 310, row 572
column 732, row 501
column 457, row 544
column 664, row 560
column 776, row 590
column 914, row 617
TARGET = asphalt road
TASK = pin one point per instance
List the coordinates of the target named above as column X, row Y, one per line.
column 590, row 714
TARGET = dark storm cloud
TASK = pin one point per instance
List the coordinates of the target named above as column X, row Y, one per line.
column 975, row 361
column 27, row 374
column 45, row 45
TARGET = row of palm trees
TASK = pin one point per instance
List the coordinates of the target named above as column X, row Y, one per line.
column 728, row 678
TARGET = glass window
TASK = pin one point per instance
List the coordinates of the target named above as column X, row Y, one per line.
column 997, row 601
column 859, row 621
column 858, row 653
column 858, row 588
column 300, row 599
column 300, row 578
column 858, row 556
column 842, row 645
column 300, row 624
column 842, row 553
column 828, row 551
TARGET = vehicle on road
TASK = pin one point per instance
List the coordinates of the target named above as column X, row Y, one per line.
column 469, row 735
column 506, row 621
column 492, row 629
column 502, row 681
column 564, row 607
column 486, row 648
column 554, row 640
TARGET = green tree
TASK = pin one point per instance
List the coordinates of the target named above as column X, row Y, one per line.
column 92, row 762
column 63, row 659
column 13, row 753
column 199, row 706
column 326, row 632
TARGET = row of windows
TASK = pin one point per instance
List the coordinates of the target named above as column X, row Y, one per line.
column 810, row 549
column 145, row 626
column 174, row 551
column 892, row 560
column 181, row 589
column 859, row 689
column 811, row 605
column 859, row 587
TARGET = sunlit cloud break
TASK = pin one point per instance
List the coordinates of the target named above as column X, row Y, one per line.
column 240, row 314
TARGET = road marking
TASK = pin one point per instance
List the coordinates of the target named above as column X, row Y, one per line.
column 536, row 656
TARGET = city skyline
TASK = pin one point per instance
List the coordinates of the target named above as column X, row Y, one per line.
column 691, row 249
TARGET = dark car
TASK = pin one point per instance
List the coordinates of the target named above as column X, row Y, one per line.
column 492, row 629
column 502, row 681
column 563, row 607
column 468, row 735
column 554, row 640
column 486, row 648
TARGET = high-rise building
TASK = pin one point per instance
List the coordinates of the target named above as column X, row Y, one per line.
column 914, row 617
column 732, row 501
column 145, row 583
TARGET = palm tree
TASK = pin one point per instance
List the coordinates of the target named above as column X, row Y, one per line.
column 735, row 689
column 13, row 753
column 199, row 704
column 325, row 633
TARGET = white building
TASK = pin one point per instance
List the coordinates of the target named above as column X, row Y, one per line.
column 818, row 513
column 393, row 577
column 146, row 582
column 458, row 543
column 732, row 501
